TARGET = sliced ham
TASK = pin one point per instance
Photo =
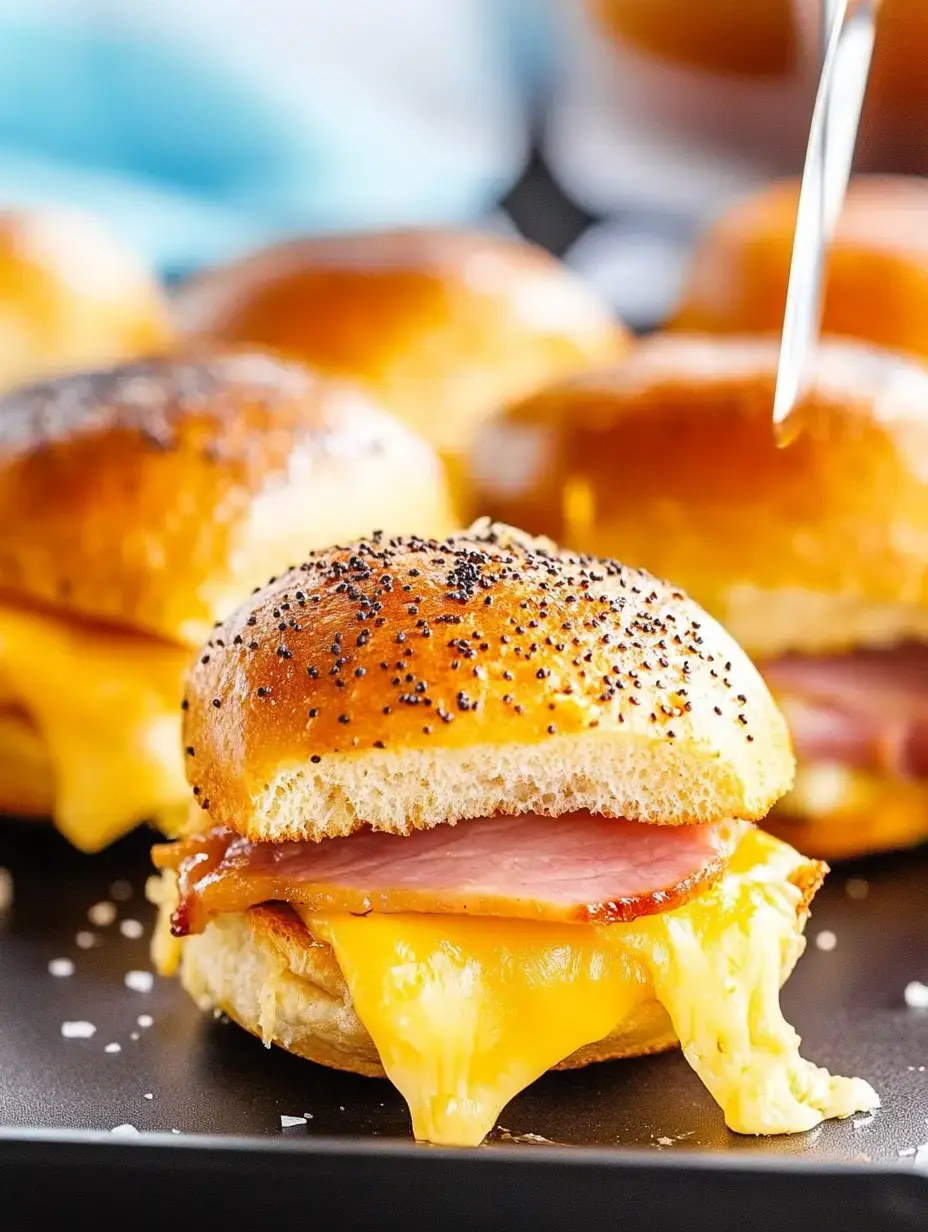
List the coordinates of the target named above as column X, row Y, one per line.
column 867, row 709
column 575, row 867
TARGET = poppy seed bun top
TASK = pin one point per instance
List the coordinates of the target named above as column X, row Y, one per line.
column 444, row 326
column 669, row 461
column 409, row 682
column 155, row 495
column 72, row 296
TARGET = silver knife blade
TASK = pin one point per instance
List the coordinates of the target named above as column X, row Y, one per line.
column 825, row 177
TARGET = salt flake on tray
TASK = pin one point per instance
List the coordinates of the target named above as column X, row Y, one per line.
column 916, row 995
column 85, row 940
column 102, row 914
column 61, row 968
column 139, row 981
column 288, row 1122
column 132, row 929
column 78, row 1030
column 124, row 1131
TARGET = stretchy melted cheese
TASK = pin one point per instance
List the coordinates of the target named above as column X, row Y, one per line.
column 466, row 1012
column 105, row 706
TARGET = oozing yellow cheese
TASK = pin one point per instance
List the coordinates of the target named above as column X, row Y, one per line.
column 466, row 1012
column 106, row 706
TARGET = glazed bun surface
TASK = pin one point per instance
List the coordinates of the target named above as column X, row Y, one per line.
column 877, row 281
column 72, row 296
column 407, row 682
column 669, row 461
column 443, row 326
column 155, row 495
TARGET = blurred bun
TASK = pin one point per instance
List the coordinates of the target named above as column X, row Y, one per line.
column 443, row 326
column 877, row 285
column 72, row 296
column 155, row 495
column 668, row 461
column 839, row 813
column 404, row 683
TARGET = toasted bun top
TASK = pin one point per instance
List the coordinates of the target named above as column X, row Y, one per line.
column 877, row 283
column 71, row 296
column 407, row 682
column 155, row 495
column 670, row 461
column 445, row 326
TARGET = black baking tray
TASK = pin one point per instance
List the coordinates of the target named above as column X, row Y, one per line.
column 572, row 1151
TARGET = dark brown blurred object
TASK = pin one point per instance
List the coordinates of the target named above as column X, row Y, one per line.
column 877, row 283
column 749, row 37
column 687, row 59
column 72, row 296
column 443, row 326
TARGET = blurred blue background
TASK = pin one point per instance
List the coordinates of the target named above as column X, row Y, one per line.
column 201, row 128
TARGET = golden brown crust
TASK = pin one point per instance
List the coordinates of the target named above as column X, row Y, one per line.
column 877, row 284
column 444, row 326
column 512, row 675
column 669, row 462
column 73, row 297
column 154, row 495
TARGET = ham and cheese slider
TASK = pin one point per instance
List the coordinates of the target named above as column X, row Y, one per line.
column 479, row 808
column 813, row 556
column 443, row 326
column 877, row 278
column 138, row 506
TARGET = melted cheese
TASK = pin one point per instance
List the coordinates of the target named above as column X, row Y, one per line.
column 105, row 705
column 466, row 1012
